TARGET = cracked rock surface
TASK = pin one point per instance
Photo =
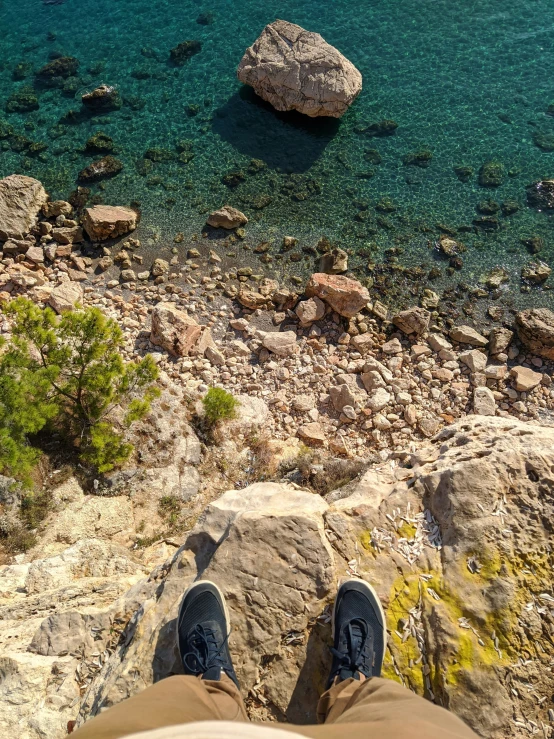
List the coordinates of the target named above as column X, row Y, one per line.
column 295, row 69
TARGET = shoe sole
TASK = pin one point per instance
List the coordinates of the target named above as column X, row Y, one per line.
column 371, row 589
column 222, row 598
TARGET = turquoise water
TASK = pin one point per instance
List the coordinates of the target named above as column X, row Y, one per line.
column 468, row 81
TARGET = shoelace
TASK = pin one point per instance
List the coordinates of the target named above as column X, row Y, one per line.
column 203, row 650
column 355, row 656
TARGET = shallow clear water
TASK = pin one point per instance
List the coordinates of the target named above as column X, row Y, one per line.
column 470, row 81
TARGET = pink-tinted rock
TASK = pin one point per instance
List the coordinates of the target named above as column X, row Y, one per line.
column 345, row 296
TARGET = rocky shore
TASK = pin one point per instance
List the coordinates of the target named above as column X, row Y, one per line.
column 334, row 366
column 409, row 452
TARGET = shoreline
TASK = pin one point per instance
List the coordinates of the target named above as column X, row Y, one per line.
column 424, row 386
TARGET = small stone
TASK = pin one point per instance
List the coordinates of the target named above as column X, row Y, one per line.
column 392, row 347
column 467, row 335
column 484, row 403
column 303, row 403
column 413, row 321
column 499, row 339
column 362, row 342
column 379, row 399
column 345, row 296
column 127, row 275
column 310, row 310
column 281, row 343
column 474, row 359
column 349, row 413
column 160, row 267
column 35, row 254
column 428, row 426
column 525, row 378
column 496, row 371
column 312, row 433
column 342, row 395
column 227, row 217
column 64, row 297
column 438, row 342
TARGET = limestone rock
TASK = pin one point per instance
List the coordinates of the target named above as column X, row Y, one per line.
column 345, row 296
column 525, row 378
column 474, row 359
column 437, row 342
column 252, row 415
column 455, row 503
column 55, row 208
column 102, row 99
column 295, row 69
column 281, row 343
column 535, row 328
column 334, row 262
column 227, row 217
column 21, row 199
column 499, row 339
column 379, row 399
column 252, row 298
column 412, row 321
column 535, row 272
column 310, row 310
column 68, row 234
column 312, row 433
column 64, row 297
column 484, row 403
column 341, row 396
column 467, row 335
column 103, row 222
column 174, row 330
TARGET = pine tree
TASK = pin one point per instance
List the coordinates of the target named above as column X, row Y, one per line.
column 68, row 371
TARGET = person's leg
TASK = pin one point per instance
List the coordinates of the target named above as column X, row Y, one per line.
column 389, row 710
column 358, row 696
column 180, row 699
column 209, row 688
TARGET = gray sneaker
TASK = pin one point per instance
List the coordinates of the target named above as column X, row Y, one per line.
column 203, row 628
column 359, row 632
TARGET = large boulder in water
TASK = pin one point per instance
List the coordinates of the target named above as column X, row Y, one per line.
column 295, row 69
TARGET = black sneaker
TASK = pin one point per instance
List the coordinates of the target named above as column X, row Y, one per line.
column 359, row 632
column 203, row 633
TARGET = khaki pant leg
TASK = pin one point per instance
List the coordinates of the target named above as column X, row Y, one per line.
column 176, row 700
column 381, row 709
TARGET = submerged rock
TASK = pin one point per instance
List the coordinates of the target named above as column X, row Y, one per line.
column 102, row 99
column 295, row 69
column 23, row 100
column 535, row 272
column 102, row 169
column 58, row 70
column 184, row 51
column 386, row 127
column 492, row 174
column 21, row 199
column 100, row 142
column 421, row 158
column 540, row 195
column 334, row 262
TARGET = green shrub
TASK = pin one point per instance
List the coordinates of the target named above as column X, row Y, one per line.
column 219, row 405
column 68, row 372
